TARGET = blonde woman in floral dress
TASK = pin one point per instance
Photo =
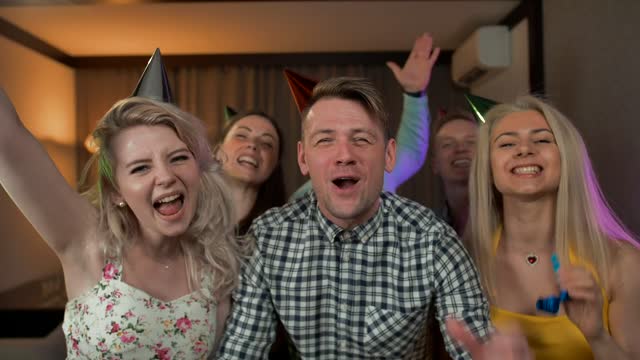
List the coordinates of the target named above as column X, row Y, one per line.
column 148, row 254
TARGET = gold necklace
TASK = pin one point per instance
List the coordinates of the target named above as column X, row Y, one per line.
column 164, row 266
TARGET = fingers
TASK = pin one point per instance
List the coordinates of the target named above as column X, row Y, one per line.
column 415, row 74
column 422, row 46
column 571, row 273
column 579, row 282
column 434, row 56
column 423, row 49
column 460, row 333
column 509, row 343
column 588, row 295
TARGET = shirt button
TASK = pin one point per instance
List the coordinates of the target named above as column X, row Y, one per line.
column 346, row 257
column 344, row 308
column 342, row 345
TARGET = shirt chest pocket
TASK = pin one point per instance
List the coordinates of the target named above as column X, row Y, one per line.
column 392, row 334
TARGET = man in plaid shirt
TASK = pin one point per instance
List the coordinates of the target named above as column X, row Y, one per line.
column 352, row 271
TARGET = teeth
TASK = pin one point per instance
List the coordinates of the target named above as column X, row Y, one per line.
column 461, row 162
column 249, row 160
column 527, row 170
column 168, row 199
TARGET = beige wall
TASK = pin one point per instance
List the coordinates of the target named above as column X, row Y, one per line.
column 514, row 80
column 592, row 74
column 43, row 92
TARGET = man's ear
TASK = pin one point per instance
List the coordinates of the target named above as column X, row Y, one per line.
column 302, row 159
column 390, row 155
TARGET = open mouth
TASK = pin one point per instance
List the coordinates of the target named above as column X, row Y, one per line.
column 345, row 182
column 461, row 163
column 169, row 205
column 527, row 170
column 248, row 160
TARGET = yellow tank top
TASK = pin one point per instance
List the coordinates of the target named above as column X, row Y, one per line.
column 551, row 337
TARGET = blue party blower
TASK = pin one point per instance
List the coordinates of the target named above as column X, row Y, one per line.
column 551, row 304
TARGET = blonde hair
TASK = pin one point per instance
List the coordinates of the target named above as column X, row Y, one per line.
column 209, row 245
column 585, row 225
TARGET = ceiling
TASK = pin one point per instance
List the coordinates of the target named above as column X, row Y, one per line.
column 104, row 28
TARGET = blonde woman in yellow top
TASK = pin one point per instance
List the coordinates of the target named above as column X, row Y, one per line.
column 533, row 193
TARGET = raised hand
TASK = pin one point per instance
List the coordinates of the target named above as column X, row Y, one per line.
column 502, row 345
column 585, row 307
column 416, row 73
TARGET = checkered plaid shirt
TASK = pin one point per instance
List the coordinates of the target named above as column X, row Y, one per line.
column 353, row 294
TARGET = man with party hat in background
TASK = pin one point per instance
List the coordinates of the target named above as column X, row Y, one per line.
column 452, row 149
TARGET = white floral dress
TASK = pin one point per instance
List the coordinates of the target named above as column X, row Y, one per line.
column 117, row 321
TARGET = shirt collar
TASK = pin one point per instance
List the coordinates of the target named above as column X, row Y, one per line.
column 361, row 233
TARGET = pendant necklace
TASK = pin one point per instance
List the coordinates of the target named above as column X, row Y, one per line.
column 532, row 259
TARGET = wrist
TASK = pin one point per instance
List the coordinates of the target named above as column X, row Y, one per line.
column 598, row 338
column 415, row 94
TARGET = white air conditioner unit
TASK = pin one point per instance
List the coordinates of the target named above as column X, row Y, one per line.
column 486, row 52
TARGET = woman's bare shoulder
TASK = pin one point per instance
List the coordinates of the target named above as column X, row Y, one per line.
column 625, row 265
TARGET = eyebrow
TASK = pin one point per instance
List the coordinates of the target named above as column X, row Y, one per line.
column 322, row 132
column 251, row 130
column 513, row 133
column 351, row 132
column 448, row 137
column 366, row 131
column 147, row 160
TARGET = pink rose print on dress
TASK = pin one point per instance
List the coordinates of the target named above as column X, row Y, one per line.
column 183, row 324
column 199, row 347
column 162, row 353
column 102, row 346
column 115, row 327
column 110, row 271
column 127, row 339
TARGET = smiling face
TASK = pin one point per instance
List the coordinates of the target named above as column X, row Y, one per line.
column 158, row 178
column 525, row 160
column 344, row 152
column 251, row 150
column 455, row 146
